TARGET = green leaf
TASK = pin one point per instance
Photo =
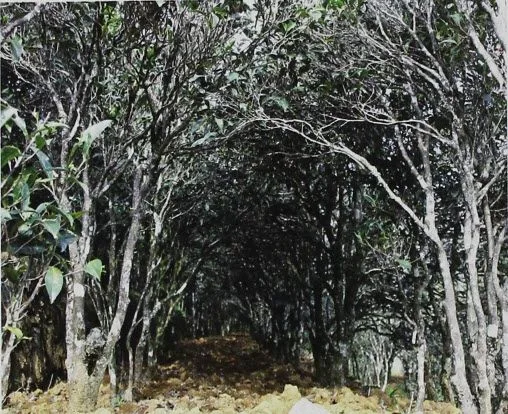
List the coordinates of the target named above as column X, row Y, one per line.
column 20, row 122
column 90, row 134
column 193, row 5
column 65, row 238
column 40, row 141
column 54, row 282
column 371, row 200
column 74, row 180
column 94, row 268
column 18, row 333
column 288, row 26
column 281, row 102
column 213, row 21
column 9, row 153
column 54, row 124
column 16, row 48
column 5, row 215
column 315, row 14
column 52, row 226
column 457, row 18
column 28, row 215
column 41, row 208
column 220, row 124
column 6, row 115
column 25, row 196
column 45, row 163
column 336, row 4
column 220, row 12
column 25, row 229
column 201, row 141
column 405, row 265
column 233, row 76
column 76, row 215
column 69, row 217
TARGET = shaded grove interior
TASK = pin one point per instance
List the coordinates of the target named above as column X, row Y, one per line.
column 224, row 198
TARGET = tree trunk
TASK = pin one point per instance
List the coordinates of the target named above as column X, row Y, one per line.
column 327, row 362
column 498, row 12
column 471, row 243
column 422, row 348
column 15, row 310
column 137, row 352
column 446, row 373
column 496, row 299
column 148, row 316
column 5, row 364
column 80, row 386
column 83, row 389
column 327, row 366
column 459, row 379
column 113, row 380
column 128, row 394
column 83, row 382
column 343, row 362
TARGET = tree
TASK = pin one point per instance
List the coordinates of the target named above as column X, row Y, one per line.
column 162, row 103
column 438, row 128
column 256, row 150
column 35, row 232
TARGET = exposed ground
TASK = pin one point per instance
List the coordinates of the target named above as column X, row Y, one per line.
column 225, row 375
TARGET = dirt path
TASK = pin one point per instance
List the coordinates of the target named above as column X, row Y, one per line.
column 223, row 375
column 233, row 363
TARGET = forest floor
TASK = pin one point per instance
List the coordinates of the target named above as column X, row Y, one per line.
column 226, row 375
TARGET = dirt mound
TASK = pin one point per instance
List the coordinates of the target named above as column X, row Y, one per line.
column 223, row 375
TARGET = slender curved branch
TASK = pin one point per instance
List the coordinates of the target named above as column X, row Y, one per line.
column 9, row 29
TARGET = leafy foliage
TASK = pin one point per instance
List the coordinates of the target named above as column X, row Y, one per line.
column 216, row 165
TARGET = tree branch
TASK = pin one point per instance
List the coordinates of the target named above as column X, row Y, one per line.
column 7, row 30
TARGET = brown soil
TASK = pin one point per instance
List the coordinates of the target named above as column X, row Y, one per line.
column 223, row 375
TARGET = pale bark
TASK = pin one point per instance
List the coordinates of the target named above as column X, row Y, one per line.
column 81, row 386
column 432, row 72
column 84, row 385
column 9, row 28
column 495, row 244
column 491, row 274
column 15, row 312
column 5, row 364
column 143, row 313
column 422, row 348
column 142, row 348
column 136, row 353
column 113, row 380
column 499, row 16
column 428, row 226
column 419, row 325
column 110, row 293
column 128, row 394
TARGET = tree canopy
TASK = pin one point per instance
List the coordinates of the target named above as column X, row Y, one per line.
column 328, row 176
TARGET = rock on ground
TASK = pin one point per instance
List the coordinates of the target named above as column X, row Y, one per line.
column 304, row 406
